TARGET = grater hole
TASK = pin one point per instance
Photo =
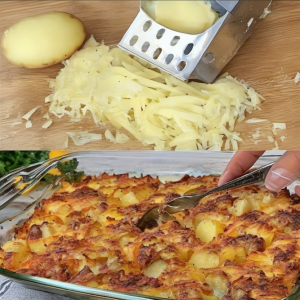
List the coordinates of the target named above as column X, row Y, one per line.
column 160, row 33
column 188, row 49
column 181, row 66
column 157, row 53
column 145, row 46
column 175, row 40
column 133, row 40
column 147, row 25
column 169, row 58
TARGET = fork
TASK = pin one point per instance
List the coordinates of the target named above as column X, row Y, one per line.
column 32, row 174
column 29, row 175
column 150, row 218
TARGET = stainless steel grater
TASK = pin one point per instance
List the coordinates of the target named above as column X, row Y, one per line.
column 194, row 56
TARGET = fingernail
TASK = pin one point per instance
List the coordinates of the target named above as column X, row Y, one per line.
column 278, row 179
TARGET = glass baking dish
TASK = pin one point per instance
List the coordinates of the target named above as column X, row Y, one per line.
column 166, row 165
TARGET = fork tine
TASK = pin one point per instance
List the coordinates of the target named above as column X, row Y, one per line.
column 7, row 181
column 31, row 172
column 8, row 189
column 7, row 186
column 45, row 193
column 39, row 173
column 10, row 177
column 10, row 192
column 15, row 192
column 9, row 197
column 30, row 176
column 19, row 170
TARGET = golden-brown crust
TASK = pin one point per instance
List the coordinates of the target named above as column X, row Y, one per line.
column 86, row 234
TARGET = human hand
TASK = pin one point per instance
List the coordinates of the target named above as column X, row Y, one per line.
column 284, row 171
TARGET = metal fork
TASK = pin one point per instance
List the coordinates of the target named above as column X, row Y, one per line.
column 30, row 175
column 150, row 218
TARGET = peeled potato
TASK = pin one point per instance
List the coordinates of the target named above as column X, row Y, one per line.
column 207, row 230
column 204, row 259
column 43, row 40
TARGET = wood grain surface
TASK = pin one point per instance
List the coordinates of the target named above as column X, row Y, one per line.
column 268, row 61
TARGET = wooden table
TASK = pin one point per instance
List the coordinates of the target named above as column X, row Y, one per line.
column 268, row 61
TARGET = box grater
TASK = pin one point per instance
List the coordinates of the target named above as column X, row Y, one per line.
column 194, row 56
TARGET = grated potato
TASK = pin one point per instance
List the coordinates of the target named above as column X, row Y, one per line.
column 279, row 125
column 156, row 108
column 15, row 124
column 47, row 124
column 30, row 113
column 83, row 137
column 283, row 138
column 297, row 78
column 255, row 120
column 28, row 124
column 120, row 138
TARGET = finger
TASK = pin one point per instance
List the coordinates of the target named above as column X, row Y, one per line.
column 297, row 190
column 239, row 164
column 284, row 171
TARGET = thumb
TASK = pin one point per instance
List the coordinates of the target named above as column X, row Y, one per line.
column 284, row 171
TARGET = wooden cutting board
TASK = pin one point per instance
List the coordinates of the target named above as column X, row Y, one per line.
column 268, row 61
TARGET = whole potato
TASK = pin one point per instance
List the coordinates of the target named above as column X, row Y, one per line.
column 43, row 40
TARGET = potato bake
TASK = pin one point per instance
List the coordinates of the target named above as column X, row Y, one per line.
column 237, row 244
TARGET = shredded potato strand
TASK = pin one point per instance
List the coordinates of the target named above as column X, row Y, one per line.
column 156, row 108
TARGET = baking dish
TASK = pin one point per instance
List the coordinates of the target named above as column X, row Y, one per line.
column 93, row 162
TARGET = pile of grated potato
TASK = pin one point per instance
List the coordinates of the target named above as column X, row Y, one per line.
column 155, row 107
